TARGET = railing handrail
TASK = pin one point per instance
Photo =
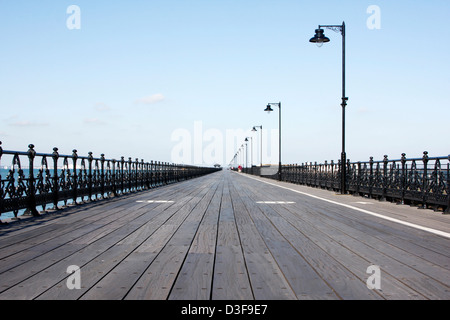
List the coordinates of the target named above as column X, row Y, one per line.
column 369, row 161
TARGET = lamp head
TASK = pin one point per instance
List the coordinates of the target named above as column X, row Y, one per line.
column 319, row 38
column 268, row 108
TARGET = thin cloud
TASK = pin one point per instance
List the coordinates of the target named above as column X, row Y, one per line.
column 102, row 107
column 151, row 99
column 94, row 121
column 27, row 123
column 363, row 110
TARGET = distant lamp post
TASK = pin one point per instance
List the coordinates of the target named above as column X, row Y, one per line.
column 243, row 156
column 251, row 150
column 319, row 39
column 246, row 153
column 254, row 130
column 269, row 109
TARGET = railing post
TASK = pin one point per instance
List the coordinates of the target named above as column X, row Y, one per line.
column 347, row 173
column 90, row 159
column 403, row 177
column 55, row 157
column 358, row 179
column 165, row 171
column 424, row 180
column 31, row 202
column 340, row 166
column 113, row 178
column 385, row 176
column 102, row 175
column 158, row 172
column 147, row 175
column 447, row 210
column 75, row 176
column 130, row 173
column 371, row 177
column 142, row 173
column 315, row 183
column 122, row 175
column 169, row 176
column 151, row 174
column 331, row 176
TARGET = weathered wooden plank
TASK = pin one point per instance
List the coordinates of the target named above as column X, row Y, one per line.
column 106, row 261
column 344, row 283
column 398, row 265
column 41, row 256
column 195, row 277
column 231, row 280
column 159, row 231
column 45, row 239
column 371, row 242
column 103, row 211
column 303, row 279
column 157, row 280
column 266, row 278
column 347, row 255
column 115, row 231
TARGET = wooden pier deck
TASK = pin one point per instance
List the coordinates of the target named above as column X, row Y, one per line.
column 229, row 236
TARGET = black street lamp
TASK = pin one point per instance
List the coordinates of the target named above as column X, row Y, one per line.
column 319, row 39
column 243, row 156
column 254, row 130
column 246, row 153
column 251, row 151
column 269, row 109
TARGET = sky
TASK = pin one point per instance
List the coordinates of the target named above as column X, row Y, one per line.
column 185, row 81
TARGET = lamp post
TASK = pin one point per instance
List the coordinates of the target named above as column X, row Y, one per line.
column 243, row 156
column 246, row 153
column 319, row 39
column 251, row 151
column 254, row 130
column 269, row 109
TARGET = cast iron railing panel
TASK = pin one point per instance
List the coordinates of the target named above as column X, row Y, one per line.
column 54, row 180
column 420, row 181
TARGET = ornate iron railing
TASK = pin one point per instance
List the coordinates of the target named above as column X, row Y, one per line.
column 424, row 182
column 58, row 179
